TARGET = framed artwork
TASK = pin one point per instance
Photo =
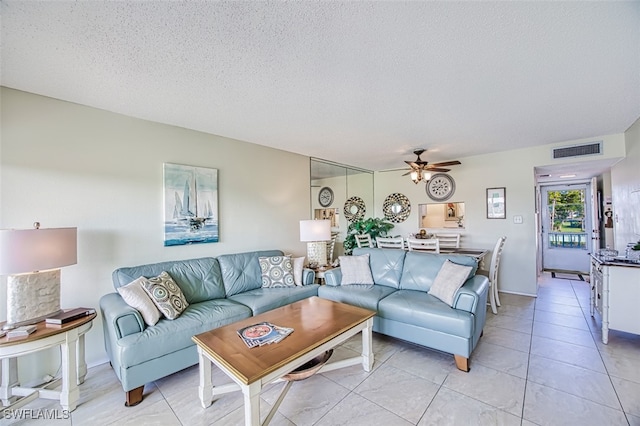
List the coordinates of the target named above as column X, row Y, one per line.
column 451, row 212
column 496, row 203
column 190, row 205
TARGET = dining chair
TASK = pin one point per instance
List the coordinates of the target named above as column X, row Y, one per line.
column 427, row 245
column 364, row 240
column 390, row 242
column 492, row 274
column 449, row 240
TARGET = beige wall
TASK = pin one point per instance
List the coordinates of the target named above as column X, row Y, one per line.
column 513, row 170
column 625, row 183
column 68, row 165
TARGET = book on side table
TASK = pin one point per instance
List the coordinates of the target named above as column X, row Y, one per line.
column 68, row 316
column 23, row 331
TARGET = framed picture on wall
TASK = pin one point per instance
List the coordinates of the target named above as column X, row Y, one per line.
column 190, row 205
column 496, row 203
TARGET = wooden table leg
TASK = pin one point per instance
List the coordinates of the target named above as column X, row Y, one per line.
column 367, row 346
column 252, row 404
column 69, row 393
column 205, row 389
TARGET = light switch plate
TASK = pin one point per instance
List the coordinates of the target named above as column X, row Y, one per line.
column 517, row 219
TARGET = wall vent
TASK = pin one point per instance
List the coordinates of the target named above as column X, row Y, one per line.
column 592, row 148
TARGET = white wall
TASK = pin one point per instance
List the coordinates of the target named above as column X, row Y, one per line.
column 513, row 170
column 625, row 183
column 64, row 164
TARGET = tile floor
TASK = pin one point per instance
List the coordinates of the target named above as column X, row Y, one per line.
column 540, row 362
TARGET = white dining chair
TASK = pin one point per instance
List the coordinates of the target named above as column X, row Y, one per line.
column 364, row 240
column 449, row 240
column 427, row 245
column 390, row 242
column 492, row 274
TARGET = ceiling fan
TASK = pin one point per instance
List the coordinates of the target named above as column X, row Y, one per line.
column 421, row 170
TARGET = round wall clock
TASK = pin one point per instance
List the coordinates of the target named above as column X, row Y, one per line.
column 325, row 196
column 440, row 187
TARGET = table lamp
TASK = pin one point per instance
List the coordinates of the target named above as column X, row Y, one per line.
column 31, row 258
column 316, row 233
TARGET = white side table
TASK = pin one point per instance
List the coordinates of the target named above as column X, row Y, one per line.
column 70, row 338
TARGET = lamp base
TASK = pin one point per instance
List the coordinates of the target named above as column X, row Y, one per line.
column 31, row 298
column 317, row 253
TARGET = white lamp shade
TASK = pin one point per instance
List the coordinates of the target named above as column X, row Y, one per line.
column 30, row 250
column 315, row 230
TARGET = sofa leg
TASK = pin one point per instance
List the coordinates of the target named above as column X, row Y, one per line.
column 134, row 397
column 462, row 363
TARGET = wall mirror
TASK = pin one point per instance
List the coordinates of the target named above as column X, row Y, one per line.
column 344, row 182
column 441, row 215
column 396, row 208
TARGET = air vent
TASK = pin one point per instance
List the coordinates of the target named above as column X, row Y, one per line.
column 593, row 148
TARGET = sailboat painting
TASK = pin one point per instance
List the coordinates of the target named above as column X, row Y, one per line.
column 190, row 205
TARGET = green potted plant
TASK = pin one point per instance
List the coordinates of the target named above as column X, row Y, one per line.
column 374, row 226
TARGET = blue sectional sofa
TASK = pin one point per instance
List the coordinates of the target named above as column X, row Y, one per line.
column 405, row 309
column 219, row 291
column 228, row 288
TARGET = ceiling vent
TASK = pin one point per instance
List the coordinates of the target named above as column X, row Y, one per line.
column 593, row 148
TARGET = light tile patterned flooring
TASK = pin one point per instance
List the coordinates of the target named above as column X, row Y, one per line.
column 540, row 362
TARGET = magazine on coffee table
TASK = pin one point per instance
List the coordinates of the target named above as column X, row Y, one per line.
column 263, row 333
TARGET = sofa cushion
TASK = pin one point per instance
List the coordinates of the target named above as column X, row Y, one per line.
column 199, row 279
column 166, row 294
column 364, row 296
column 385, row 264
column 424, row 310
column 420, row 269
column 298, row 267
column 277, row 271
column 138, row 299
column 355, row 270
column 449, row 279
column 265, row 299
column 241, row 271
column 171, row 336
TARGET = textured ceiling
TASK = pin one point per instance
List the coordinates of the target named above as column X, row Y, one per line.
column 361, row 83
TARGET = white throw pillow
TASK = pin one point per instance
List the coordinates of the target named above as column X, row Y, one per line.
column 298, row 266
column 449, row 279
column 356, row 270
column 135, row 296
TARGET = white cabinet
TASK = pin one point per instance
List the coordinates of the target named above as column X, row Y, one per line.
column 615, row 295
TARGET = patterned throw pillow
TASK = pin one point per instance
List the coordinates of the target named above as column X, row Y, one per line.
column 136, row 297
column 355, row 270
column 449, row 279
column 166, row 294
column 277, row 271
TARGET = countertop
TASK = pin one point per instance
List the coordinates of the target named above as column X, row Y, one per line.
column 617, row 261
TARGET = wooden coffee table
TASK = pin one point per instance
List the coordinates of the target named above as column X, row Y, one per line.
column 318, row 324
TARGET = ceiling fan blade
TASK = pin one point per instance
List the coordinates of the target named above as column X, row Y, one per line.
column 446, row 163
column 436, row 169
column 408, row 173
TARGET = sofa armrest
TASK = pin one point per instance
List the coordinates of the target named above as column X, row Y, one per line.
column 471, row 294
column 308, row 276
column 333, row 277
column 120, row 319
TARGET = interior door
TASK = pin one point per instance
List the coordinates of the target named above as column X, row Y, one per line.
column 566, row 227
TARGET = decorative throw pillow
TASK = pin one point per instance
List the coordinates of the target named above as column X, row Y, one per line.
column 277, row 271
column 166, row 294
column 298, row 266
column 135, row 296
column 355, row 270
column 449, row 279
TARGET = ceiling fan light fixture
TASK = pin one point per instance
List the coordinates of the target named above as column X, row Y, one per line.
column 426, row 175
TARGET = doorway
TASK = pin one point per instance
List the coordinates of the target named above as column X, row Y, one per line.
column 566, row 227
